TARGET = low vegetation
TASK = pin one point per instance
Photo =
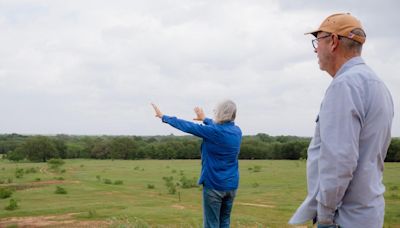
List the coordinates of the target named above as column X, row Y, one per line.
column 154, row 196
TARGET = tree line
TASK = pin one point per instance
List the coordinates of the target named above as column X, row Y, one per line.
column 261, row 146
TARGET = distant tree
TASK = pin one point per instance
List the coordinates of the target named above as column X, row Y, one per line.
column 123, row 148
column 60, row 146
column 39, row 148
column 16, row 155
column 292, row 150
column 393, row 153
column 101, row 149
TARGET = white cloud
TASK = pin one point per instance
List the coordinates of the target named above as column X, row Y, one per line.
column 93, row 67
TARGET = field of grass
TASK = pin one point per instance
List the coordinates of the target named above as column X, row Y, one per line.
column 134, row 194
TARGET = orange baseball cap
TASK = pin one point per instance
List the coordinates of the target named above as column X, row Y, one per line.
column 340, row 24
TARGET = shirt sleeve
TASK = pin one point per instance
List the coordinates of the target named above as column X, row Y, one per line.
column 203, row 131
column 208, row 121
column 340, row 126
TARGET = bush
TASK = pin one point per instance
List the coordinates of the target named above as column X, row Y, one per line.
column 30, row 170
column 60, row 190
column 256, row 169
column 188, row 183
column 55, row 163
column 150, row 186
column 5, row 193
column 107, row 181
column 92, row 213
column 19, row 173
column 170, row 185
column 12, row 205
column 118, row 182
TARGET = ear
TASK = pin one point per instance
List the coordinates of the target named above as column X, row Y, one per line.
column 334, row 42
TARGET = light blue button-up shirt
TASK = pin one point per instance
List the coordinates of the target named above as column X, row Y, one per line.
column 346, row 155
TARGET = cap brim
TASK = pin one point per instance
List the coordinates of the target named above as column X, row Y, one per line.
column 314, row 33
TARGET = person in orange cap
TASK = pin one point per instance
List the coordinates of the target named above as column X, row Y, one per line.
column 353, row 132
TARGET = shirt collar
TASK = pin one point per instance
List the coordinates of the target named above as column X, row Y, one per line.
column 349, row 64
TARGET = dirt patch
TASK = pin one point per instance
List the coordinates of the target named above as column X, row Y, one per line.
column 177, row 206
column 65, row 220
column 256, row 205
column 23, row 186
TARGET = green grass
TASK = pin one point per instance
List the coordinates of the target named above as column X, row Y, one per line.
column 266, row 198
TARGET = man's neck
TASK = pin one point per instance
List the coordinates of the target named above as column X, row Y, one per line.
column 339, row 61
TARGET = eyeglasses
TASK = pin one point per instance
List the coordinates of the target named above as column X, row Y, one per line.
column 314, row 42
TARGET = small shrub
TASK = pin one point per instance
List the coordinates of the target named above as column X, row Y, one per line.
column 172, row 189
column 19, row 173
column 136, row 168
column 56, row 161
column 393, row 188
column 55, row 164
column 82, row 166
column 150, row 186
column 98, row 178
column 188, row 183
column 2, row 181
column 170, row 185
column 30, row 170
column 37, row 179
column 394, row 196
column 60, row 190
column 63, row 171
column 173, row 171
column 118, row 182
column 12, row 205
column 107, row 181
column 9, row 180
column 92, row 213
column 255, row 185
column 257, row 169
column 59, row 178
column 5, row 193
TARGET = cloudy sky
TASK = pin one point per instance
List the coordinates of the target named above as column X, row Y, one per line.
column 94, row 66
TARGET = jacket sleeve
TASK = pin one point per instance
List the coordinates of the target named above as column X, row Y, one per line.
column 203, row 131
column 208, row 121
column 340, row 126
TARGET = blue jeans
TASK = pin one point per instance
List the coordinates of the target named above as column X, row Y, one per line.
column 217, row 207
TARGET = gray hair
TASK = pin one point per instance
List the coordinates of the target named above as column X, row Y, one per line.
column 225, row 112
column 352, row 45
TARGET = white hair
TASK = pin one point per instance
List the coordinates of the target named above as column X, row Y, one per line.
column 225, row 112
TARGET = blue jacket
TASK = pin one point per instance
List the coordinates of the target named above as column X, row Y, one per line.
column 219, row 151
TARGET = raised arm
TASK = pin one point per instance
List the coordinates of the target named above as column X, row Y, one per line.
column 199, row 130
column 157, row 111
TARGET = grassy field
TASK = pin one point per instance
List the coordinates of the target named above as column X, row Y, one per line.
column 137, row 196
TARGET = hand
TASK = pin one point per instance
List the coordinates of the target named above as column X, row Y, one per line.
column 157, row 110
column 200, row 116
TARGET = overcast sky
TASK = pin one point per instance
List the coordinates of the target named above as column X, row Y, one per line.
column 93, row 67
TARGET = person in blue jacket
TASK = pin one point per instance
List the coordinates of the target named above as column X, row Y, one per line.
column 219, row 159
